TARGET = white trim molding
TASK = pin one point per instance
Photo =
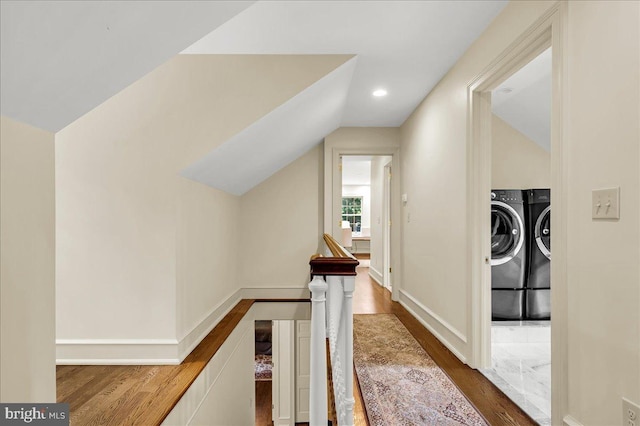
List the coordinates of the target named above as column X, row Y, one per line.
column 435, row 324
column 165, row 351
column 215, row 379
column 142, row 351
column 117, row 352
column 204, row 326
column 376, row 275
column 570, row 421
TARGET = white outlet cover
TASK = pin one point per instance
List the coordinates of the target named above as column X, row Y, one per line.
column 630, row 411
column 605, row 203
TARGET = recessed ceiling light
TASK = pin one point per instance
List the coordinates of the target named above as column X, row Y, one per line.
column 379, row 93
column 505, row 90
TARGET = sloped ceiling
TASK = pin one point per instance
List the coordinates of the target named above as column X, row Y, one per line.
column 403, row 46
column 278, row 138
column 524, row 100
column 60, row 59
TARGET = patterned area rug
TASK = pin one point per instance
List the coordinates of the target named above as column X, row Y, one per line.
column 263, row 367
column 400, row 383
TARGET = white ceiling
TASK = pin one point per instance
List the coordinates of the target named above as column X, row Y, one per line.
column 61, row 59
column 278, row 138
column 524, row 100
column 403, row 46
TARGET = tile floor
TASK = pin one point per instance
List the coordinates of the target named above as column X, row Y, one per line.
column 521, row 365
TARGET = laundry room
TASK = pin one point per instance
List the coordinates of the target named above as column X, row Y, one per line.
column 520, row 238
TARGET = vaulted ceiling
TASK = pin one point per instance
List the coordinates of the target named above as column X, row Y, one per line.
column 61, row 59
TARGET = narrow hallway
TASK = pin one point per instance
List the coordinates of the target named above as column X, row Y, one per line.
column 371, row 298
column 497, row 409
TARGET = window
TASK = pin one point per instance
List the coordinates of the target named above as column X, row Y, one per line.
column 352, row 212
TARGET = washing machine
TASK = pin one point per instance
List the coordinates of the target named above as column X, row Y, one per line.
column 508, row 253
column 538, row 293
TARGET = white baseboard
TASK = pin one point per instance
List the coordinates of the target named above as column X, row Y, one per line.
column 162, row 351
column 570, row 421
column 117, row 352
column 206, row 324
column 141, row 351
column 376, row 275
column 276, row 293
column 435, row 324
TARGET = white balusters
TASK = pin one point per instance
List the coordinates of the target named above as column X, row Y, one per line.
column 318, row 379
column 347, row 321
column 336, row 324
column 340, row 333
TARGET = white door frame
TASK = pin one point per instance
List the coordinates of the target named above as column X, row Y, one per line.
column 283, row 377
column 333, row 199
column 549, row 30
column 386, row 227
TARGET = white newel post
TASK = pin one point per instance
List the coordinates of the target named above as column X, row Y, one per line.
column 349, row 287
column 318, row 376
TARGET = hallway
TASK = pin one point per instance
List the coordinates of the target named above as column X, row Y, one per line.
column 371, row 298
column 497, row 409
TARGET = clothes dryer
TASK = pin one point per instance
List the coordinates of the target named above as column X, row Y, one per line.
column 508, row 254
column 538, row 293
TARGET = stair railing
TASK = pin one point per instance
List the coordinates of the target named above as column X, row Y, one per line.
column 332, row 285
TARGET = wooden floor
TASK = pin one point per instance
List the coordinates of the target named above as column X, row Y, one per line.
column 144, row 395
column 497, row 409
column 137, row 395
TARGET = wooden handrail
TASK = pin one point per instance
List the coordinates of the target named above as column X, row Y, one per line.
column 336, row 249
column 341, row 263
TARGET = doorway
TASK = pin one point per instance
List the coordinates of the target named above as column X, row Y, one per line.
column 366, row 212
column 546, row 32
column 520, row 238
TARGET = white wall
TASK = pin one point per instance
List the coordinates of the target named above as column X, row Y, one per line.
column 279, row 229
column 604, row 151
column 517, row 162
column 27, row 264
column 602, row 266
column 145, row 257
column 223, row 394
column 434, row 174
column 207, row 249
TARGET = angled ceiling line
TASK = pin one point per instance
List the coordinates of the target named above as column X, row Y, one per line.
column 278, row 138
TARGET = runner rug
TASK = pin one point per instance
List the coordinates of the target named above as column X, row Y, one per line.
column 400, row 383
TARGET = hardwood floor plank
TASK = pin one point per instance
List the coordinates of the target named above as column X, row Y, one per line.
column 144, row 395
column 138, row 395
column 496, row 407
column 263, row 403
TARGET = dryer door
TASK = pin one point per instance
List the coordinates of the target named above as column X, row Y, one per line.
column 507, row 233
column 542, row 232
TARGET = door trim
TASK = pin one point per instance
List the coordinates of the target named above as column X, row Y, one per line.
column 549, row 30
column 333, row 199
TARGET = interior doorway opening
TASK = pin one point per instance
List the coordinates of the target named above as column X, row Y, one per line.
column 520, row 237
column 365, row 212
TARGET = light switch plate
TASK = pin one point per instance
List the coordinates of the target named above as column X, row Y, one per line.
column 605, row 203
